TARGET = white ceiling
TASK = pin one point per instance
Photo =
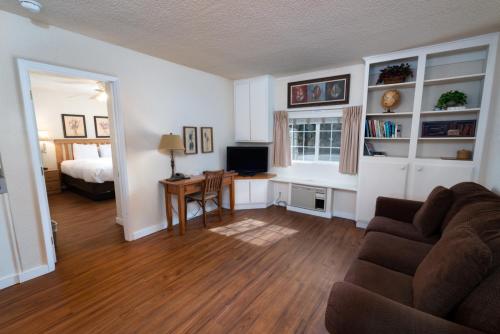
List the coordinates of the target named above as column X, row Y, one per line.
column 237, row 38
column 67, row 87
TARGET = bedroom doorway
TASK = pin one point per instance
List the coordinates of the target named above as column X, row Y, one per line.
column 77, row 144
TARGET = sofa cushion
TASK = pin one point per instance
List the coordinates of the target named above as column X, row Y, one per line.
column 400, row 229
column 429, row 217
column 481, row 308
column 454, row 266
column 379, row 248
column 467, row 193
column 388, row 283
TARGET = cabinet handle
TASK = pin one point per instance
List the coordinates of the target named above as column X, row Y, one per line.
column 419, row 169
column 403, row 167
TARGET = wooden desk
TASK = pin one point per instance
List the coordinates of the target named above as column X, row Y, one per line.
column 185, row 187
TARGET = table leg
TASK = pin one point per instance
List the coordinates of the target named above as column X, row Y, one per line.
column 231, row 194
column 168, row 205
column 181, row 200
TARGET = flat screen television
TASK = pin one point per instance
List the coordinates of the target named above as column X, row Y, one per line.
column 247, row 160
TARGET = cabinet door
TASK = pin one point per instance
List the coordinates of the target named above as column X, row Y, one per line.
column 242, row 110
column 259, row 109
column 379, row 178
column 242, row 191
column 425, row 177
column 258, row 191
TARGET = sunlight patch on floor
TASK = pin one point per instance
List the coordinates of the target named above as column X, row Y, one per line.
column 254, row 232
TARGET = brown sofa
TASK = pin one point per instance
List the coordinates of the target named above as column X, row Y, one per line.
column 405, row 282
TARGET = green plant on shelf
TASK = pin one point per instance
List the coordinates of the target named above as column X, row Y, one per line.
column 395, row 74
column 452, row 98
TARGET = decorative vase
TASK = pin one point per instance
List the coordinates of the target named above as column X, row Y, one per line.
column 394, row 80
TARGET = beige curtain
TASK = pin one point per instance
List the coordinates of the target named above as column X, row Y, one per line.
column 282, row 156
column 349, row 146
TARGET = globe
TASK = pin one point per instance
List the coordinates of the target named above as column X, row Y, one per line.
column 390, row 99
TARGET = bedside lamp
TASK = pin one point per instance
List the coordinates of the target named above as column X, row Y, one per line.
column 171, row 143
column 43, row 137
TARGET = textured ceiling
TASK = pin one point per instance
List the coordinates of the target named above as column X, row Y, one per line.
column 237, row 38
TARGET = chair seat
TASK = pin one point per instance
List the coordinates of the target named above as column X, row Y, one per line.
column 199, row 196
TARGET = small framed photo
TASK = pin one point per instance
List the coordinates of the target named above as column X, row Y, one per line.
column 190, row 140
column 74, row 126
column 101, row 124
column 207, row 140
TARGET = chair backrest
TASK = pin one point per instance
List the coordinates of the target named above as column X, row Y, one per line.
column 213, row 181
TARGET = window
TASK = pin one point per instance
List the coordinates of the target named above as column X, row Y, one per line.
column 315, row 139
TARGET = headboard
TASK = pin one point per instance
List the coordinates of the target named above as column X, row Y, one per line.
column 64, row 147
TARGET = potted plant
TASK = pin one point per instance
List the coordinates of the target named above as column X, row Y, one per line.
column 453, row 98
column 395, row 74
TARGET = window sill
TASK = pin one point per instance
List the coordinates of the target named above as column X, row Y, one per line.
column 315, row 162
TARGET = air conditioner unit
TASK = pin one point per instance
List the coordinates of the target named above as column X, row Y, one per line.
column 309, row 198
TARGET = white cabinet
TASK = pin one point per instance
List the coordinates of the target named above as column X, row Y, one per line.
column 426, row 176
column 253, row 109
column 252, row 194
column 379, row 178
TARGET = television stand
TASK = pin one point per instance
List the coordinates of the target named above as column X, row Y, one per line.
column 247, row 173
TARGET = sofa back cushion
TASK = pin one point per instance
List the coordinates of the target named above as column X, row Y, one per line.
column 464, row 194
column 429, row 217
column 452, row 269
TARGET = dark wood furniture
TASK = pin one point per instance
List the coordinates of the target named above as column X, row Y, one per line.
column 181, row 188
column 211, row 190
column 52, row 181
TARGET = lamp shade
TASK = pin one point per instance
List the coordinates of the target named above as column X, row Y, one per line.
column 171, row 142
column 43, row 135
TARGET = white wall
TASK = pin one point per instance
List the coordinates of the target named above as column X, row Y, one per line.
column 155, row 96
column 50, row 105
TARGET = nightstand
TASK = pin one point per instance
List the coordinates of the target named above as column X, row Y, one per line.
column 52, row 181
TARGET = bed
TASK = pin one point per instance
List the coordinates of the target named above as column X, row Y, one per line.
column 92, row 178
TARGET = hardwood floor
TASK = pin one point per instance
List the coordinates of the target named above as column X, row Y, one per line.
column 260, row 271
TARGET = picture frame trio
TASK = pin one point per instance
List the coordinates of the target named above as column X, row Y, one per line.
column 190, row 137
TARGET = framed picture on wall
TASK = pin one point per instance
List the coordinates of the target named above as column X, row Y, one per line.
column 101, row 124
column 190, row 140
column 319, row 92
column 74, row 126
column 207, row 140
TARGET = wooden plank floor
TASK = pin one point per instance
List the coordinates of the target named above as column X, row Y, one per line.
column 260, row 271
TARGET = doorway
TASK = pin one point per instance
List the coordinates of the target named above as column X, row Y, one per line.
column 76, row 138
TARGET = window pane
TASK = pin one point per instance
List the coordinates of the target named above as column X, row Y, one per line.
column 297, row 153
column 336, row 139
column 335, row 154
column 337, row 126
column 324, row 139
column 309, row 153
column 298, row 139
column 298, row 127
column 326, row 126
column 324, row 154
column 310, row 127
column 310, row 138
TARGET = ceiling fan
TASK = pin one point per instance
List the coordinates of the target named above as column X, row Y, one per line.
column 100, row 94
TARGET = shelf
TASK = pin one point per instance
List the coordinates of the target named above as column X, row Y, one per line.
column 386, row 138
column 392, row 114
column 447, row 138
column 396, row 85
column 450, row 112
column 459, row 78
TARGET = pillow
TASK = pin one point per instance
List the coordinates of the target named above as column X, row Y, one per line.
column 105, row 151
column 429, row 217
column 456, row 264
column 83, row 151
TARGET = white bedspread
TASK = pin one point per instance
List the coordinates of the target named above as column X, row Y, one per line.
column 90, row 170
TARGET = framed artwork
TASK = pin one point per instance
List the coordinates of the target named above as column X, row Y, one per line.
column 74, row 126
column 319, row 92
column 207, row 140
column 101, row 124
column 190, row 140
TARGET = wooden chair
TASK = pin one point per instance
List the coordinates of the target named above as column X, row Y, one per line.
column 211, row 191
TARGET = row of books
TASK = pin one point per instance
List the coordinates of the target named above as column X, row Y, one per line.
column 382, row 129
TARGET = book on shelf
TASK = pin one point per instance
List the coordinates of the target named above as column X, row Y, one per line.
column 375, row 128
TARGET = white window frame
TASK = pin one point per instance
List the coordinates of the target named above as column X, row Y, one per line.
column 315, row 114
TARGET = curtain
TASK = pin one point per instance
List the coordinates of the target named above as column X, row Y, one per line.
column 349, row 145
column 282, row 156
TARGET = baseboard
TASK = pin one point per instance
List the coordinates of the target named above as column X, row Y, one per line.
column 33, row 273
column 251, row 206
column 323, row 214
column 9, row 280
column 345, row 215
column 361, row 224
column 119, row 221
column 147, row 231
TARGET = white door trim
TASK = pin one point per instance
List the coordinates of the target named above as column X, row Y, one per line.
column 117, row 144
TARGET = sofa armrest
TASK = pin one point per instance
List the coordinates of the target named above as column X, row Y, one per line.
column 355, row 310
column 398, row 209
